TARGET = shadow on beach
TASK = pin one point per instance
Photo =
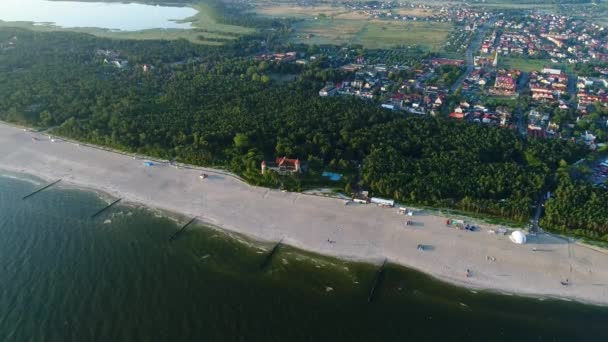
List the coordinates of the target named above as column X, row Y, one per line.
column 544, row 239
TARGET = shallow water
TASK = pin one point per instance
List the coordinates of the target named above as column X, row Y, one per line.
column 114, row 16
column 67, row 277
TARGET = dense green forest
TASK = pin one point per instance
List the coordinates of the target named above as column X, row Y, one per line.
column 579, row 208
column 217, row 106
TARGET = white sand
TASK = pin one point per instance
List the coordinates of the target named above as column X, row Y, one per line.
column 361, row 232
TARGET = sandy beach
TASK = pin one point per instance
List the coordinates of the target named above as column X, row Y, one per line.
column 359, row 232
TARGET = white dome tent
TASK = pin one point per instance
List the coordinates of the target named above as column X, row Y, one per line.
column 518, row 237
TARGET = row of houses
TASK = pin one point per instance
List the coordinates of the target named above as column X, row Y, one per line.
column 413, row 95
column 548, row 84
column 277, row 57
column 420, row 12
column 505, row 83
column 478, row 113
column 488, row 78
column 591, row 91
column 559, row 37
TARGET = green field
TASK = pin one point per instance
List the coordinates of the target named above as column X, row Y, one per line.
column 372, row 34
column 526, row 64
column 207, row 30
column 206, row 19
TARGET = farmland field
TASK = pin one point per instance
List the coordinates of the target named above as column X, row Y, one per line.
column 336, row 11
column 387, row 34
column 334, row 23
column 372, row 33
column 293, row 10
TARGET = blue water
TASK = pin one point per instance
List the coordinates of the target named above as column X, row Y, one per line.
column 68, row 277
column 332, row 176
column 115, row 16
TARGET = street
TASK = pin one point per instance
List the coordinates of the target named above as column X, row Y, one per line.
column 473, row 47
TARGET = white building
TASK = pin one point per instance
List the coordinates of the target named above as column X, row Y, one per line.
column 328, row 91
column 383, row 202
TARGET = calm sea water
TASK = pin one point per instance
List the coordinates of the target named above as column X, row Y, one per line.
column 116, row 16
column 67, row 277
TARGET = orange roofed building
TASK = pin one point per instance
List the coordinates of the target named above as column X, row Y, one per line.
column 283, row 166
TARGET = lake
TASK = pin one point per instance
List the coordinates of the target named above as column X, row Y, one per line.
column 112, row 16
column 66, row 276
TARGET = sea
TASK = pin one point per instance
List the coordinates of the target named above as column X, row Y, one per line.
column 65, row 276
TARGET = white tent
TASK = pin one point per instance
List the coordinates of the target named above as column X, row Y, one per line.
column 518, row 237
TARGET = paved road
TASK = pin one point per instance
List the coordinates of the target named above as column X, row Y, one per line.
column 473, row 47
column 519, row 112
column 420, row 81
column 540, row 204
column 522, row 128
column 572, row 78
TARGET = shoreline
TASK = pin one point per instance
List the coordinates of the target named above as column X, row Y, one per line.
column 363, row 233
column 252, row 242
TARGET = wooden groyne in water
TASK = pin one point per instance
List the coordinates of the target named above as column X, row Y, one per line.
column 41, row 189
column 106, row 208
column 268, row 257
column 174, row 235
column 377, row 281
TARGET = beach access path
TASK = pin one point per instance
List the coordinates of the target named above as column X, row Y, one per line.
column 357, row 231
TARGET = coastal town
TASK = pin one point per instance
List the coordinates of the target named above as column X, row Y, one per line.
column 560, row 91
column 357, row 170
column 543, row 75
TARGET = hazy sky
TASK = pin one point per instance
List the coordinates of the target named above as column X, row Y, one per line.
column 106, row 15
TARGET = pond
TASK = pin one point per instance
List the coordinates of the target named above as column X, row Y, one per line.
column 112, row 16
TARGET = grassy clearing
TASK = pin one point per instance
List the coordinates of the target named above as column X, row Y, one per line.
column 381, row 34
column 327, row 31
column 292, row 10
column 599, row 13
column 205, row 19
column 452, row 54
column 352, row 15
column 372, row 33
column 206, row 29
column 334, row 24
column 418, row 12
column 525, row 64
